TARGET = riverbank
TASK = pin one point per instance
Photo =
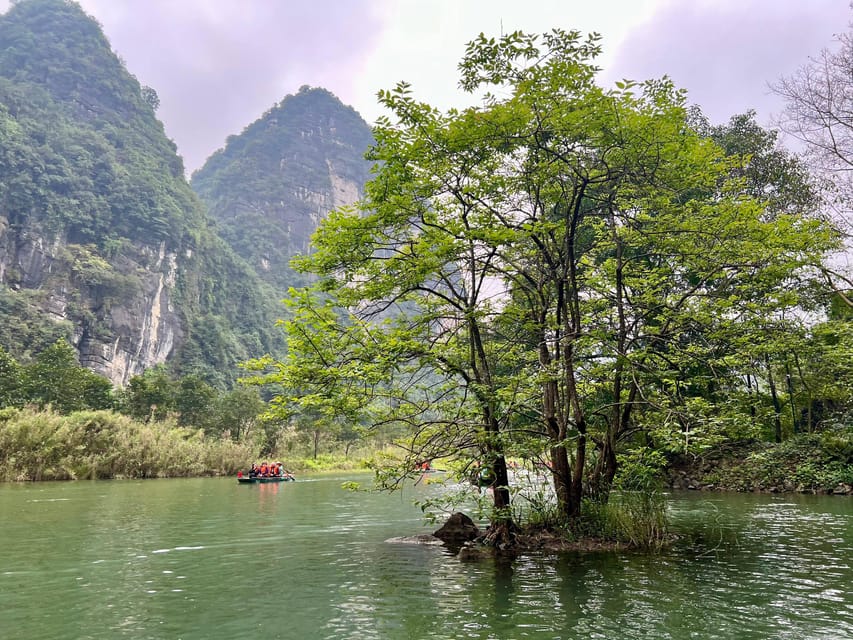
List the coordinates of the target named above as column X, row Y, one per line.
column 816, row 463
column 39, row 445
column 44, row 445
column 92, row 445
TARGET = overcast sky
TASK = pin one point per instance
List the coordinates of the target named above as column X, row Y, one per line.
column 217, row 65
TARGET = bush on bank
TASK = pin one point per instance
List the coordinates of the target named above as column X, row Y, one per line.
column 806, row 463
column 326, row 462
column 43, row 445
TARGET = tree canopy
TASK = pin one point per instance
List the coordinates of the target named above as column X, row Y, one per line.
column 550, row 274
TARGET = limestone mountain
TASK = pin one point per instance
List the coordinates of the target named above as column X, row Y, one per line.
column 101, row 238
column 269, row 187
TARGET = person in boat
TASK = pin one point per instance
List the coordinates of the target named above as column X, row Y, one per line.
column 253, row 472
column 264, row 470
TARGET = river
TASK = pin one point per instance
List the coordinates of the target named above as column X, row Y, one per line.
column 209, row 559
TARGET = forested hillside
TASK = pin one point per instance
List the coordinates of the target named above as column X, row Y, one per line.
column 102, row 241
column 272, row 184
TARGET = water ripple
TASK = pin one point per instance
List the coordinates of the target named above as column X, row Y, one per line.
column 311, row 562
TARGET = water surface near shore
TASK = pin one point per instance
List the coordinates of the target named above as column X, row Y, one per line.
column 208, row 558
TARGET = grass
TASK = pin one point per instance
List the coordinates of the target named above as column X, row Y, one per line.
column 43, row 445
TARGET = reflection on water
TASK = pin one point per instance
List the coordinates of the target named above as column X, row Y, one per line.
column 207, row 558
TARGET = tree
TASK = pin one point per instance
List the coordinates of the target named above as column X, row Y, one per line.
column 771, row 345
column 238, row 411
column 55, row 379
column 10, row 380
column 150, row 396
column 194, row 402
column 150, row 97
column 819, row 112
column 819, row 109
column 770, row 173
column 538, row 274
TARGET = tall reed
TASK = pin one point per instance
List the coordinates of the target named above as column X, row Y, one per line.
column 44, row 445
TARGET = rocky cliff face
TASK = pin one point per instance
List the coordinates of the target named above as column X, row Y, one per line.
column 102, row 240
column 123, row 315
column 144, row 328
column 96, row 219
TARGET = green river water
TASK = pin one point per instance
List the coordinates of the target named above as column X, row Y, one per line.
column 208, row 559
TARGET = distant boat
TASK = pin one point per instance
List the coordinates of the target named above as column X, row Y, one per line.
column 264, row 479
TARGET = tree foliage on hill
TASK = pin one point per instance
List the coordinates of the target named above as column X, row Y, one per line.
column 85, row 162
column 563, row 262
column 230, row 315
column 25, row 331
column 54, row 379
column 262, row 187
column 86, row 150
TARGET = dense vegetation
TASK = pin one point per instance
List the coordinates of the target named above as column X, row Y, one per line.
column 817, row 462
column 43, row 445
column 82, row 146
column 585, row 279
column 89, row 170
column 53, row 393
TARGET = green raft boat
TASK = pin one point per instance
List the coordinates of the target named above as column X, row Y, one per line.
column 265, row 479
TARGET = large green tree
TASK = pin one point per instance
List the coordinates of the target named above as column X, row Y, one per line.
column 537, row 274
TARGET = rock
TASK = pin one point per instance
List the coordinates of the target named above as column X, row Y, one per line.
column 458, row 529
column 474, row 553
column 422, row 539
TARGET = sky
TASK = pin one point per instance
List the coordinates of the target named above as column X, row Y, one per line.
column 218, row 65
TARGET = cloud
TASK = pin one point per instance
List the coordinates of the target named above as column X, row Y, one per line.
column 218, row 64
column 726, row 53
column 423, row 40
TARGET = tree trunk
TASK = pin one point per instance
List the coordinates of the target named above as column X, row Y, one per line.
column 751, row 398
column 561, row 474
column 777, row 407
column 789, row 381
column 605, row 470
column 501, row 534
